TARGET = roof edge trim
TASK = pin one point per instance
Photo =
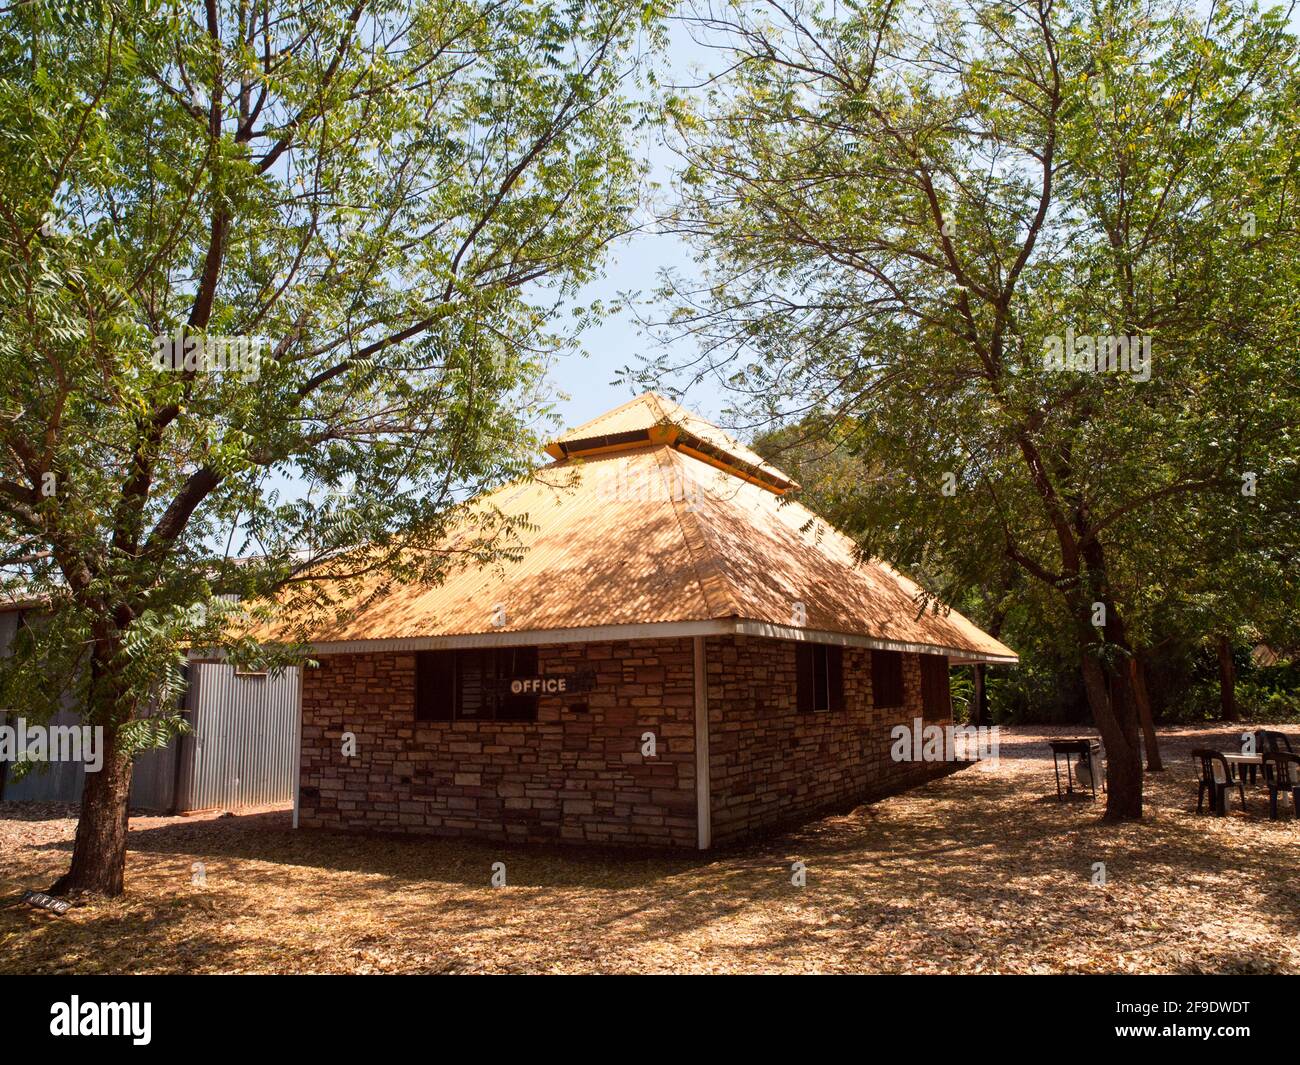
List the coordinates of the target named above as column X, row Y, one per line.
column 732, row 464
column 680, row 439
column 599, row 444
column 845, row 639
column 641, row 631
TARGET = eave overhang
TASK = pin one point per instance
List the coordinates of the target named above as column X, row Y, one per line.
column 644, row 631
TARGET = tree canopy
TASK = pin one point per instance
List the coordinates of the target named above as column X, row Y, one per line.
column 1035, row 263
column 277, row 284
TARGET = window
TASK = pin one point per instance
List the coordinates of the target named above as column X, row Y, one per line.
column 819, row 671
column 886, row 678
column 474, row 685
column 936, row 696
column 435, row 685
column 516, row 662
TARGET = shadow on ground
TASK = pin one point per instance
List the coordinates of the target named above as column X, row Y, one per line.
column 979, row 871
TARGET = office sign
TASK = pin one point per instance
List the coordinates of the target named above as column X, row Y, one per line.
column 549, row 684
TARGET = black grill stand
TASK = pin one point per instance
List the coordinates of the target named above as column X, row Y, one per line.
column 1082, row 750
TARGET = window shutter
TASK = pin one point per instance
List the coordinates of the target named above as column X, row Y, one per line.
column 516, row 662
column 803, row 661
column 936, row 692
column 886, row 678
column 835, row 676
column 435, row 685
column 475, row 684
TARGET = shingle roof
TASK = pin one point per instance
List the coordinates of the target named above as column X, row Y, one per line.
column 647, row 534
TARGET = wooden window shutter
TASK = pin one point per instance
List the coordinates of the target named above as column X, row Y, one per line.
column 804, row 681
column 886, row 678
column 435, row 685
column 936, row 692
column 835, row 676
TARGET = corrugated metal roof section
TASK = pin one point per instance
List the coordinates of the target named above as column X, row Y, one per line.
column 651, row 410
column 605, row 549
column 653, row 535
column 780, row 563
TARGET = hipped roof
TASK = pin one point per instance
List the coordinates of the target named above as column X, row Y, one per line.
column 657, row 538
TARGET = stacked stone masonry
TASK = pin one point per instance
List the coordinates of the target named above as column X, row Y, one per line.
column 769, row 764
column 577, row 773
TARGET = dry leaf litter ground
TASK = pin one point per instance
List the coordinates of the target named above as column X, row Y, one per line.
column 982, row 871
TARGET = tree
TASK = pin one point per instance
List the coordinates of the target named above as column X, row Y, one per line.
column 1230, row 577
column 399, row 196
column 818, row 452
column 1034, row 258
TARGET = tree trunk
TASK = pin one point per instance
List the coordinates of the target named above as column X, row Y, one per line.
column 1105, row 672
column 99, row 849
column 1117, row 723
column 99, row 852
column 1227, row 681
column 1138, row 683
column 994, row 629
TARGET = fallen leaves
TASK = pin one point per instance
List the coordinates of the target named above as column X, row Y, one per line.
column 981, row 871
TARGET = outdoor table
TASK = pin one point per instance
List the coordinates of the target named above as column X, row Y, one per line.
column 1080, row 749
column 1244, row 760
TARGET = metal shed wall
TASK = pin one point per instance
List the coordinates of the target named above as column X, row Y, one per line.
column 55, row 781
column 240, row 751
column 49, row 782
column 152, row 781
column 8, row 628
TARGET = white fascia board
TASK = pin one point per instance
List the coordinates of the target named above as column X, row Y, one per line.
column 790, row 632
column 652, row 630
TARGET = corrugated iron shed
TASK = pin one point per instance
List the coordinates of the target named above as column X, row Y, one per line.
column 240, row 750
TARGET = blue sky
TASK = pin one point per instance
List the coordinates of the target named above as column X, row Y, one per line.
column 636, row 264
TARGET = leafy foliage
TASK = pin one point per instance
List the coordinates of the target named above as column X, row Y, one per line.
column 394, row 196
column 279, row 280
column 904, row 210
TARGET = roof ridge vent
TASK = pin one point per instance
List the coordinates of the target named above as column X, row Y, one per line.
column 652, row 419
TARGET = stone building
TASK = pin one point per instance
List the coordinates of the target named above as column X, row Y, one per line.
column 684, row 656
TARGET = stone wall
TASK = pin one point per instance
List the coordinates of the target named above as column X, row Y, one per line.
column 771, row 765
column 569, row 776
column 579, row 776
